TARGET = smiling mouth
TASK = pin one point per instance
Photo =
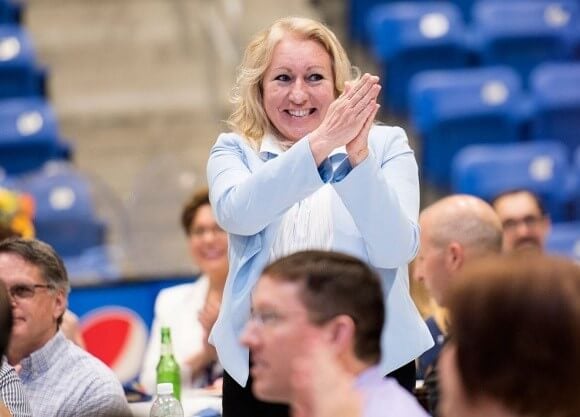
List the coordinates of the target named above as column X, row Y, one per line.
column 213, row 254
column 300, row 113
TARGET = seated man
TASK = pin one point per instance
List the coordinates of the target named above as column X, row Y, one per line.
column 59, row 377
column 13, row 401
column 328, row 298
column 525, row 222
column 454, row 231
column 515, row 340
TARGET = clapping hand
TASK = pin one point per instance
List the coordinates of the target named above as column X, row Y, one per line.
column 348, row 121
column 207, row 318
column 209, row 313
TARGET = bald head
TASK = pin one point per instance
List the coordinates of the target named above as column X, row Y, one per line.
column 465, row 219
column 454, row 230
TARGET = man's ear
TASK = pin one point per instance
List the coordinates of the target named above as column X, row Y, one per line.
column 454, row 256
column 340, row 333
column 60, row 303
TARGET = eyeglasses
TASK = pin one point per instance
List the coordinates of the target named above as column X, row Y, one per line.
column 24, row 291
column 265, row 318
column 529, row 221
column 201, row 231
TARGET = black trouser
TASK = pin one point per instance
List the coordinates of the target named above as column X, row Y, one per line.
column 239, row 401
column 405, row 376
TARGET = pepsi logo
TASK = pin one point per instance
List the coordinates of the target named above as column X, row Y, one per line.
column 118, row 337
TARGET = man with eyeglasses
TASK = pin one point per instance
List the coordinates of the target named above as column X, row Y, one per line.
column 13, row 398
column 525, row 222
column 59, row 377
column 331, row 300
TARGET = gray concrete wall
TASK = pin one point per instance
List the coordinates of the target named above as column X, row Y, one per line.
column 140, row 89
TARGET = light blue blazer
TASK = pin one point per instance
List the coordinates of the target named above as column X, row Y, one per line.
column 375, row 207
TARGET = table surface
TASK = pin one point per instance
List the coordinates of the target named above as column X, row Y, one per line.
column 192, row 401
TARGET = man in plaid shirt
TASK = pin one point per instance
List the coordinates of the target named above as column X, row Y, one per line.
column 60, row 378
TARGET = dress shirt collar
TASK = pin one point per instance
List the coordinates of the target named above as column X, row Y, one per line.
column 41, row 360
column 270, row 147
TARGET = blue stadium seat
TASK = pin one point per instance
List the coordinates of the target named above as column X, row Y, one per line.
column 29, row 135
column 564, row 239
column 576, row 181
column 456, row 108
column 542, row 167
column 66, row 217
column 357, row 13
column 10, row 11
column 410, row 37
column 555, row 89
column 20, row 76
column 525, row 33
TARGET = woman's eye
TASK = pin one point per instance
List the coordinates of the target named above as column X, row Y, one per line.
column 283, row 77
column 315, row 77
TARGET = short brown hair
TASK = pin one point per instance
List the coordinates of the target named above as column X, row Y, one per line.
column 198, row 199
column 44, row 257
column 332, row 284
column 516, row 327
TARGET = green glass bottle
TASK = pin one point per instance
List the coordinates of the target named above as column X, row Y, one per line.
column 167, row 368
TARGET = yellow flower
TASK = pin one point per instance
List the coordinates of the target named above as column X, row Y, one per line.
column 17, row 212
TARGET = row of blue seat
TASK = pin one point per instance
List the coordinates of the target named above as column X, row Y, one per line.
column 358, row 11
column 66, row 217
column 542, row 167
column 31, row 146
column 29, row 135
column 409, row 37
column 10, row 11
column 455, row 108
column 20, row 73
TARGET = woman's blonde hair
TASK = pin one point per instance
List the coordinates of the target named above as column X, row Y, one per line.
column 249, row 117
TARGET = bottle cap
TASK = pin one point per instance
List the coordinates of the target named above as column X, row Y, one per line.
column 164, row 388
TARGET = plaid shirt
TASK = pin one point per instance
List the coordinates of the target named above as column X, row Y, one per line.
column 63, row 380
column 12, row 392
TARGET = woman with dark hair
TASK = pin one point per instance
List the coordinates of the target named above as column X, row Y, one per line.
column 190, row 310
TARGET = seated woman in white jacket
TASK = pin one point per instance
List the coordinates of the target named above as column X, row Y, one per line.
column 190, row 310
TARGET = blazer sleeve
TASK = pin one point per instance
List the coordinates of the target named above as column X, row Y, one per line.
column 382, row 196
column 248, row 194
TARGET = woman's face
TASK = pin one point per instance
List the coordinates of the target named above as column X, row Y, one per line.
column 298, row 87
column 208, row 243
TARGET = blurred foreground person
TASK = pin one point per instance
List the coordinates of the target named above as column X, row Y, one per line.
column 190, row 310
column 325, row 298
column 60, row 378
column 13, row 400
column 525, row 223
column 320, row 387
column 515, row 340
